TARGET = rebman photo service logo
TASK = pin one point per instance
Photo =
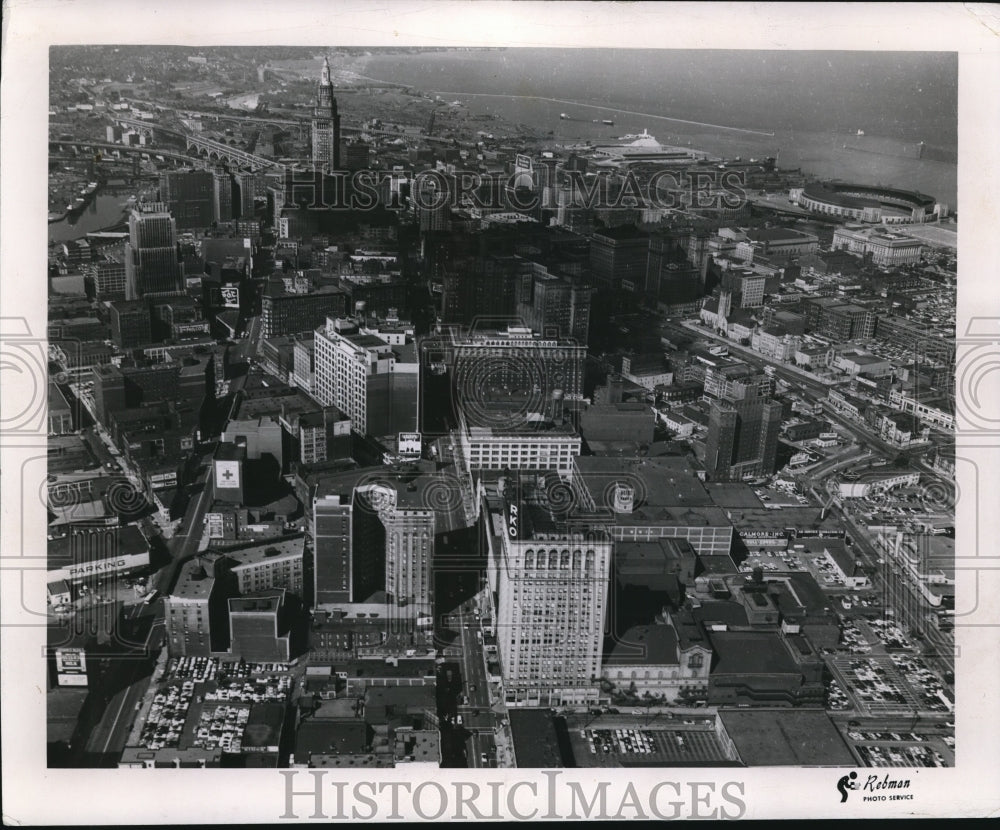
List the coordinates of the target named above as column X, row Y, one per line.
column 873, row 787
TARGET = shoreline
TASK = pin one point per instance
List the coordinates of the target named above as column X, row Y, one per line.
column 604, row 109
column 121, row 222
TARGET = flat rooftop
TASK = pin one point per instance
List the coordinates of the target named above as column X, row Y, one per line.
column 664, row 481
column 536, row 743
column 751, row 652
column 788, row 737
column 196, row 580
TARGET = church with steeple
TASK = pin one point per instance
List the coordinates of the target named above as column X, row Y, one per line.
column 325, row 124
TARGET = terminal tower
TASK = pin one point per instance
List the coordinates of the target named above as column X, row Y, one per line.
column 325, row 125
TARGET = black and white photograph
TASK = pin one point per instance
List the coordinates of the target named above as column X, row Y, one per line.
column 474, row 411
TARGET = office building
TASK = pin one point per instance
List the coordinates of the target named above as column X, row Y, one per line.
column 883, row 246
column 840, row 321
column 109, row 280
column 323, row 436
column 374, row 537
column 304, row 364
column 258, row 629
column 222, row 196
column 618, row 258
column 736, row 381
column 485, row 286
column 269, row 564
column 246, row 185
column 514, row 369
column 552, row 597
column 555, row 306
column 117, row 388
column 372, row 382
column 151, row 262
column 357, row 155
column 332, row 532
column 283, row 312
column 749, row 290
column 408, row 522
column 195, row 611
column 670, row 276
column 325, row 124
column 542, row 447
column 742, row 439
column 188, row 196
column 130, row 324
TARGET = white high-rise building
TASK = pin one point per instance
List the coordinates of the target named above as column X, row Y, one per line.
column 345, row 360
column 552, row 600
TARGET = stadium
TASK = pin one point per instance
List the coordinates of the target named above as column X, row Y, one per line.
column 868, row 203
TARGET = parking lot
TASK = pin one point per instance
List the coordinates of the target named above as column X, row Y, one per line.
column 877, row 686
column 205, row 702
column 209, row 668
column 771, row 560
column 929, row 687
column 901, row 756
column 631, row 746
column 222, row 727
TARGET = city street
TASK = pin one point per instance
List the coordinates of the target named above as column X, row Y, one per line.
column 185, row 542
column 132, row 676
column 894, row 585
column 483, row 717
column 476, row 712
column 801, row 380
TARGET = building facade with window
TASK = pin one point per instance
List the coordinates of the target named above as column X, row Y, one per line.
column 552, row 599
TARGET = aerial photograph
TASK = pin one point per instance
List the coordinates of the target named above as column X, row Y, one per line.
column 467, row 408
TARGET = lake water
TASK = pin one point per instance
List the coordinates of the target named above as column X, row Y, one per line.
column 813, row 102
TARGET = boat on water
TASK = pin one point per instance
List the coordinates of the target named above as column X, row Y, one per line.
column 636, row 136
column 563, row 116
column 608, row 121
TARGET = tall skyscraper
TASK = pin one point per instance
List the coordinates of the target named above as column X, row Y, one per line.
column 326, row 124
column 332, row 533
column 552, row 599
column 742, row 438
column 188, row 196
column 409, row 542
column 555, row 305
column 222, row 196
column 246, row 183
column 618, row 258
column 373, row 383
column 151, row 262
